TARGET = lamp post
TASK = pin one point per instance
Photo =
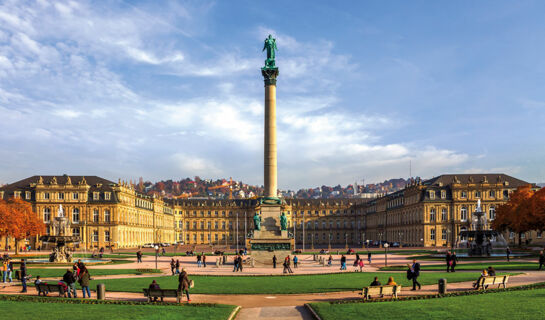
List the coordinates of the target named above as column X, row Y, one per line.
column 380, row 236
column 400, row 239
column 312, row 239
column 156, row 255
column 237, row 231
column 329, row 241
column 345, row 240
column 386, row 254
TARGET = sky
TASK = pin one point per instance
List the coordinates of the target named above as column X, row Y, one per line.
column 367, row 89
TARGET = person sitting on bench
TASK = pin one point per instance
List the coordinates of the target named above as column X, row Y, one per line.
column 375, row 283
column 37, row 282
column 478, row 282
column 154, row 286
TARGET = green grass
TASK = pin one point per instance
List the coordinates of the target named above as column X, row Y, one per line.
column 279, row 284
column 52, row 273
column 515, row 265
column 53, row 311
column 524, row 304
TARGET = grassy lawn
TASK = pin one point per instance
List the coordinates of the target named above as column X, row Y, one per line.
column 53, row 311
column 515, row 265
column 279, row 284
column 52, row 273
column 524, row 304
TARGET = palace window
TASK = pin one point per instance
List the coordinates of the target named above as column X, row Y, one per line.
column 443, row 194
column 216, row 237
column 28, row 195
column 492, row 213
column 223, row 225
column 208, row 237
column 511, row 235
column 202, row 224
column 75, row 196
column 209, row 224
column 96, row 195
column 187, row 226
column 444, row 214
column 432, row 194
column 46, row 196
column 463, row 194
column 47, row 214
column 95, row 215
column 463, row 214
column 194, row 225
column 107, row 236
column 477, row 194
column 107, row 215
column 180, row 224
column 75, row 232
column 95, row 236
column 216, row 213
column 505, row 195
column 107, row 195
column 432, row 234
column 202, row 236
column 223, row 213
column 491, row 194
column 194, row 237
column 539, row 234
column 432, row 214
column 187, row 238
column 75, row 215
column 444, row 234
column 216, row 225
column 230, row 225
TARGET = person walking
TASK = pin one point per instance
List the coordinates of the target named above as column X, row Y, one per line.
column 507, row 253
column 172, row 266
column 203, row 260
column 198, row 260
column 239, row 264
column 329, row 261
column 235, row 263
column 10, row 270
column 70, row 281
column 369, row 257
column 23, row 274
column 274, row 261
column 177, row 266
column 448, row 260
column 4, row 270
column 295, row 260
column 541, row 259
column 139, row 256
column 183, row 284
column 84, row 279
column 415, row 273
column 453, row 261
column 343, row 262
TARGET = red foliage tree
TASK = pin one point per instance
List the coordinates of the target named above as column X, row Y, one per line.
column 516, row 214
column 17, row 220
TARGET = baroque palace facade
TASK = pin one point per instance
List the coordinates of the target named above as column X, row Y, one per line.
column 103, row 213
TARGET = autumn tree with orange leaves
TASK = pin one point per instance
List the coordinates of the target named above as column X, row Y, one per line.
column 519, row 214
column 18, row 221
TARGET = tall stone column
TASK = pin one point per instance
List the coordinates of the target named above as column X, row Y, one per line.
column 270, row 169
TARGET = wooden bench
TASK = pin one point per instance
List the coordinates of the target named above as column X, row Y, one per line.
column 45, row 288
column 380, row 291
column 162, row 293
column 484, row 282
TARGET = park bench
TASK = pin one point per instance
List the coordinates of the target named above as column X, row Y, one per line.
column 44, row 288
column 162, row 293
column 484, row 282
column 380, row 291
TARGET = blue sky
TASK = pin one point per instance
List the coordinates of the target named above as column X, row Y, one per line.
column 162, row 90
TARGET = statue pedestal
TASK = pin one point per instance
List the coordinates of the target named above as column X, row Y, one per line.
column 270, row 240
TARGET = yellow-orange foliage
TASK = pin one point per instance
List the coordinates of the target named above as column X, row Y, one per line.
column 17, row 220
column 516, row 214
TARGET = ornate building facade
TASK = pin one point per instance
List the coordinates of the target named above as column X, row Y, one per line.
column 427, row 213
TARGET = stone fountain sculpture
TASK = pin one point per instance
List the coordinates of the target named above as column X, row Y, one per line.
column 60, row 238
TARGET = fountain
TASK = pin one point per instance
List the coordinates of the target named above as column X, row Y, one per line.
column 60, row 238
column 479, row 237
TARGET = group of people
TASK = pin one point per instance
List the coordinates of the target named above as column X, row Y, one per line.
column 237, row 263
column 77, row 274
column 175, row 266
column 7, row 270
column 201, row 260
column 183, row 285
column 376, row 282
column 490, row 272
column 451, row 261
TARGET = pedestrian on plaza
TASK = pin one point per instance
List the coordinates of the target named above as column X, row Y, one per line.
column 204, row 260
column 448, row 261
column 356, row 264
column 75, row 270
column 198, row 260
column 177, row 266
column 414, row 274
column 235, row 263
column 10, row 270
column 453, row 261
column 4, row 270
column 343, row 262
column 163, row 251
column 361, row 265
column 139, row 256
column 239, row 264
column 172, row 266
column 329, row 261
column 84, row 279
column 295, row 260
column 274, row 261
column 369, row 257
column 70, row 281
column 23, row 274
column 286, row 264
column 541, row 259
column 507, row 253
column 184, row 284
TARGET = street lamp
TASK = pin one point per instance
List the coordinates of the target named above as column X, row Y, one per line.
column 329, row 241
column 346, row 241
column 400, row 239
column 156, row 255
column 380, row 236
column 386, row 254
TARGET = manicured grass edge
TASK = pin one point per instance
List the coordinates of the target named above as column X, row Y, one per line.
column 314, row 313
column 22, row 298
column 234, row 313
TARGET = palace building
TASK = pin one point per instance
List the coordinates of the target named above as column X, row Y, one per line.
column 103, row 213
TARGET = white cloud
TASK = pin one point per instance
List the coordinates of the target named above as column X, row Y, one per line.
column 189, row 165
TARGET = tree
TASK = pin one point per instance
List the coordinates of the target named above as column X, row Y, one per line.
column 17, row 220
column 516, row 214
column 537, row 208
